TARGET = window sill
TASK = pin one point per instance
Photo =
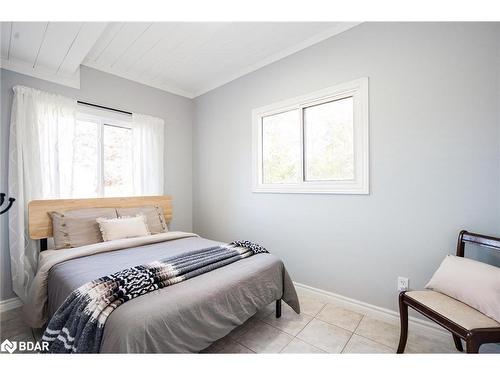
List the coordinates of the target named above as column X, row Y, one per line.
column 345, row 189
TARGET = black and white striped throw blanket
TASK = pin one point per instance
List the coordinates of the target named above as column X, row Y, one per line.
column 78, row 324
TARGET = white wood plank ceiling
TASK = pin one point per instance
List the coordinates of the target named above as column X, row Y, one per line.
column 185, row 58
column 48, row 50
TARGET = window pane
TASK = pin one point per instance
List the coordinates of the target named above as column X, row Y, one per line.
column 281, row 148
column 86, row 174
column 117, row 161
column 328, row 131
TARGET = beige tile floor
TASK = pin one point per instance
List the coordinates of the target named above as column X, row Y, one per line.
column 322, row 327
column 325, row 327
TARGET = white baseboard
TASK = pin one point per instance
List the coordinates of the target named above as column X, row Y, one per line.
column 377, row 312
column 10, row 304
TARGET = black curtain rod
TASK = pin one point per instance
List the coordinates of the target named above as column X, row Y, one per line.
column 103, row 107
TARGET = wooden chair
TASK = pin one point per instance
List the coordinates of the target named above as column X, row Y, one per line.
column 464, row 322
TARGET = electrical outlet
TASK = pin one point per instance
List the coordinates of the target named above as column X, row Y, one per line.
column 403, row 284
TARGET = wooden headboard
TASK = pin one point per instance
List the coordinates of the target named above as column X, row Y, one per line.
column 40, row 223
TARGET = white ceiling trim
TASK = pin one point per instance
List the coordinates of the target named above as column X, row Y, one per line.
column 280, row 55
column 40, row 72
column 164, row 87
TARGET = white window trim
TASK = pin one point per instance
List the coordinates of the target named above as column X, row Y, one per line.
column 358, row 89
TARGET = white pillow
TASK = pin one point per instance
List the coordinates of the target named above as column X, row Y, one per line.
column 474, row 283
column 123, row 227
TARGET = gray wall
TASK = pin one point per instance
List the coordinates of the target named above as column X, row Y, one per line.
column 109, row 90
column 435, row 152
column 434, row 157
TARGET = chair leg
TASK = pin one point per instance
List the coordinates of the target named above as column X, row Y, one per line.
column 458, row 343
column 403, row 316
column 278, row 308
column 472, row 346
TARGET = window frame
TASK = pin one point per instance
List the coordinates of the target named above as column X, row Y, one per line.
column 358, row 90
column 103, row 118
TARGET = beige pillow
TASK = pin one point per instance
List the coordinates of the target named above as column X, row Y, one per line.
column 78, row 227
column 123, row 227
column 474, row 283
column 154, row 217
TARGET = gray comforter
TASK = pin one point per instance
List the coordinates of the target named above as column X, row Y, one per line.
column 182, row 318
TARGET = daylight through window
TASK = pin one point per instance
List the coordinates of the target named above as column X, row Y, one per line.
column 317, row 143
column 102, row 158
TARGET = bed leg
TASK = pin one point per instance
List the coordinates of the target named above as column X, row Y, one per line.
column 278, row 308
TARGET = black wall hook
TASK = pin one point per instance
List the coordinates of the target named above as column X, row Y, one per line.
column 2, row 199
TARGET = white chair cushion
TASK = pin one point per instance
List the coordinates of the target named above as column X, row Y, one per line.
column 456, row 311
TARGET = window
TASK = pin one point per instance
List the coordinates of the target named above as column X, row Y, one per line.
column 316, row 143
column 102, row 157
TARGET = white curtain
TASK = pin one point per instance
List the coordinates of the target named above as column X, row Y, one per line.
column 41, row 138
column 147, row 147
column 43, row 146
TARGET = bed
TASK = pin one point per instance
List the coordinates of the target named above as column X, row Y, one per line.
column 182, row 318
